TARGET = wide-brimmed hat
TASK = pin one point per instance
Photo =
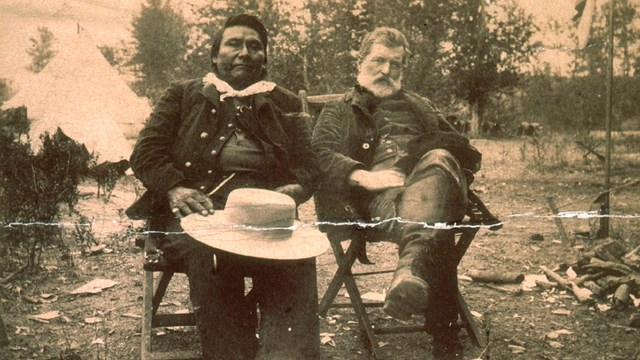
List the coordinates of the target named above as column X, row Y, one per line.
column 257, row 223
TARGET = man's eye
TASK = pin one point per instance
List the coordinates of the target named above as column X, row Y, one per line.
column 255, row 46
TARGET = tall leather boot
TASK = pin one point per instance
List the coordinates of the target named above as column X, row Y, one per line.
column 435, row 192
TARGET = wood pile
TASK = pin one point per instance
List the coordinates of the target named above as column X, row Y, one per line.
column 606, row 273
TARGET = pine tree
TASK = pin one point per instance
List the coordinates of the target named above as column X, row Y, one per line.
column 41, row 51
column 160, row 40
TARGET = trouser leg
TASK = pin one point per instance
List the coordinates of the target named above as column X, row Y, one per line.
column 225, row 319
column 288, row 303
column 425, row 276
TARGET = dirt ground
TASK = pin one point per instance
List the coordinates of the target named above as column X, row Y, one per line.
column 106, row 325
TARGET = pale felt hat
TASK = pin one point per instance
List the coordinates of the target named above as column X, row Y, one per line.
column 257, row 223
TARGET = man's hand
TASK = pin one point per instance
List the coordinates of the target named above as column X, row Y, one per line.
column 377, row 180
column 185, row 201
column 296, row 191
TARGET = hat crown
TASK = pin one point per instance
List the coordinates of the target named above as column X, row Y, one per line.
column 260, row 209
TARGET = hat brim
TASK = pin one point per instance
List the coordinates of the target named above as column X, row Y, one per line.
column 219, row 232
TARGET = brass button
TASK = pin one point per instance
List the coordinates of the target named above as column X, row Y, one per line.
column 187, row 164
column 222, row 138
column 213, row 111
column 365, row 146
column 204, row 135
column 213, row 152
column 230, row 125
column 389, row 150
column 210, row 172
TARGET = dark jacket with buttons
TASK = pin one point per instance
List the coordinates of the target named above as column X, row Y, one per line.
column 344, row 140
column 180, row 143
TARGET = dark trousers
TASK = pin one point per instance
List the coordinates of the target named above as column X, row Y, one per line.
column 278, row 320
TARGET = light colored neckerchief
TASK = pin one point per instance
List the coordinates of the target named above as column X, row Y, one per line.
column 226, row 90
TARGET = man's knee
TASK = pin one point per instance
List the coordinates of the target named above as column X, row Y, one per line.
column 439, row 161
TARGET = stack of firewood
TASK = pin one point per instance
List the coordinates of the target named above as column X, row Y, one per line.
column 606, row 272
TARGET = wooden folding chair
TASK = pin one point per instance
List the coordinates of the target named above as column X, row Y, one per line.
column 151, row 319
column 477, row 216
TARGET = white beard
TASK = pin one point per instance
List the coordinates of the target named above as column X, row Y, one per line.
column 381, row 88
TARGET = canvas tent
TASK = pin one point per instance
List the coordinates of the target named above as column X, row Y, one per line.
column 79, row 92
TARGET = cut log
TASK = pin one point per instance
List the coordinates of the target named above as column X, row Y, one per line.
column 582, row 294
column 555, row 276
column 621, row 296
column 608, row 282
column 598, row 264
column 496, row 278
column 595, row 289
column 632, row 259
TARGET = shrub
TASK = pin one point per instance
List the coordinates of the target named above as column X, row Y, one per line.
column 34, row 187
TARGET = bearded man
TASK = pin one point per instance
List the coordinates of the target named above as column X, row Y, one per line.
column 387, row 158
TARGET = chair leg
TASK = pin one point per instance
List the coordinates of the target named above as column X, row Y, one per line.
column 469, row 322
column 366, row 330
column 344, row 276
column 161, row 289
column 147, row 316
column 345, row 261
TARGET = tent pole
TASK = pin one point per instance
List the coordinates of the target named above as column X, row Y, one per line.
column 603, row 232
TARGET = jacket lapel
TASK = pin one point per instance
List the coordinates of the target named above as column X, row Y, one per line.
column 211, row 93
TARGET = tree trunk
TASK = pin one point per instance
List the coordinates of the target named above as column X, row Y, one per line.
column 305, row 72
column 474, row 129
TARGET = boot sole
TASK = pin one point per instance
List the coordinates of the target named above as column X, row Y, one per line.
column 408, row 297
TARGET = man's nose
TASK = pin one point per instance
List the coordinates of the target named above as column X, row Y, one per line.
column 386, row 68
column 244, row 50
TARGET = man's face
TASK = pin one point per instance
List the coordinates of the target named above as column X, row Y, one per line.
column 241, row 57
column 381, row 70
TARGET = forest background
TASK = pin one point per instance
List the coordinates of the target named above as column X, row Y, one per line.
column 476, row 59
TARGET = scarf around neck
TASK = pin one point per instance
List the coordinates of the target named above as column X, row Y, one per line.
column 226, row 90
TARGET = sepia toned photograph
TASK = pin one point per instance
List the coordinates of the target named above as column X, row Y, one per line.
column 307, row 179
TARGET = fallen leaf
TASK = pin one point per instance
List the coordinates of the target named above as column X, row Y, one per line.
column 327, row 340
column 564, row 332
column 604, row 307
column 92, row 320
column 132, row 316
column 561, row 312
column 571, row 274
column 95, row 286
column 97, row 248
column 553, row 335
column 529, row 281
column 476, row 314
column 50, row 315
column 555, row 344
column 97, row 341
column 516, row 349
column 382, row 344
column 373, row 296
column 22, row 330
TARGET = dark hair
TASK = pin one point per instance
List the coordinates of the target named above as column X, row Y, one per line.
column 249, row 21
column 388, row 37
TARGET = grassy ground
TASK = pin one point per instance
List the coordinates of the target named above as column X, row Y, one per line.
column 518, row 176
